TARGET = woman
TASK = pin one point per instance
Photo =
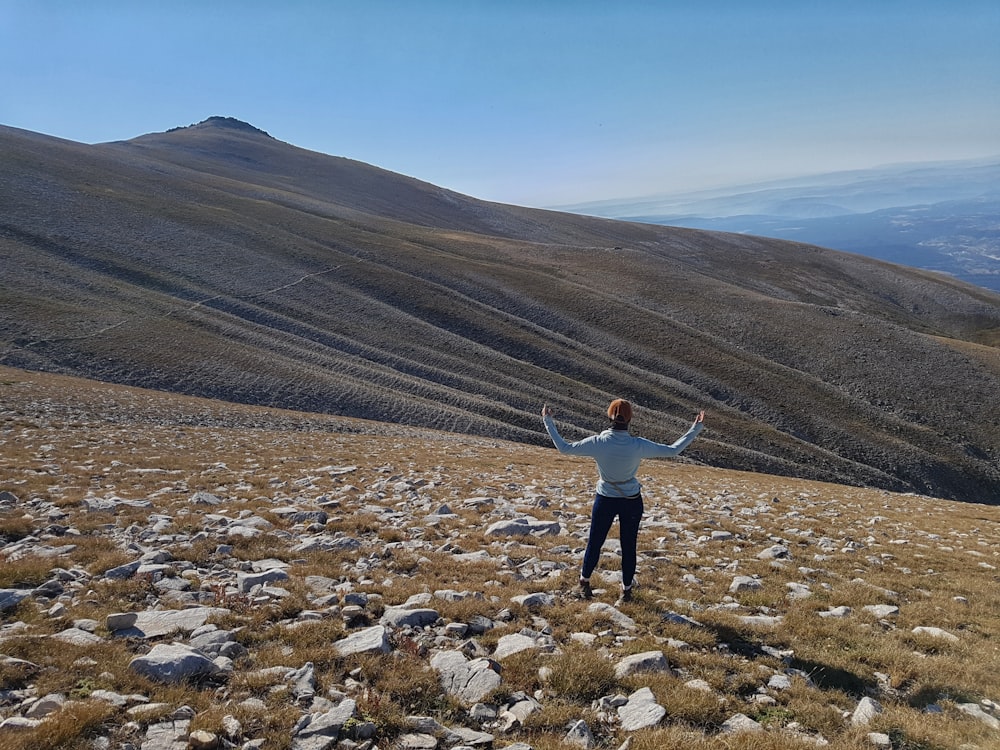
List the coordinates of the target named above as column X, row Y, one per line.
column 617, row 454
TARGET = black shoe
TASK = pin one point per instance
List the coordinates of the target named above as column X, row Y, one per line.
column 626, row 596
column 585, row 590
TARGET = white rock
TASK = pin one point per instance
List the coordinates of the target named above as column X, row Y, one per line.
column 469, row 681
column 881, row 611
column 617, row 617
column 648, row 661
column 641, row 711
column 976, row 711
column 412, row 618
column 173, row 663
column 46, row 706
column 936, row 633
column 77, row 637
column 866, row 710
column 798, row 591
column 775, row 552
column 836, row 612
column 367, row 641
column 740, row 723
column 745, row 583
column 699, row 684
column 579, row 735
column 534, row 600
column 512, row 644
column 524, row 526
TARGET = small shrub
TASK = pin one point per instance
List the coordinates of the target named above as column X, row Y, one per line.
column 582, row 675
column 69, row 727
column 28, row 572
column 14, row 527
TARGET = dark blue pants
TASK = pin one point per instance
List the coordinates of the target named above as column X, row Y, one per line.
column 628, row 510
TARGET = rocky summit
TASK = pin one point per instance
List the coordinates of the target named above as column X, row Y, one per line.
column 265, row 579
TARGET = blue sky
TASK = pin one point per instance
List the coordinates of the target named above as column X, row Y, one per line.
column 532, row 102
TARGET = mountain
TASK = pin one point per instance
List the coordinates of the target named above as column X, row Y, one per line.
column 215, row 260
column 942, row 217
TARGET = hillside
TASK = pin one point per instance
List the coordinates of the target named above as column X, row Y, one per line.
column 215, row 260
column 181, row 572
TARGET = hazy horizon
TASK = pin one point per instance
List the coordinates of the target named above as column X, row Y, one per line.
column 538, row 104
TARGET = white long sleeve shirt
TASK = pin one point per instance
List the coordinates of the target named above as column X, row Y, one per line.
column 618, row 454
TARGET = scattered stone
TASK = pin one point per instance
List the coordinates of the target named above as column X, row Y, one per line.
column 513, row 644
column 534, row 601
column 775, row 552
column 166, row 735
column 648, row 661
column 524, row 526
column 866, row 710
column 779, row 682
column 740, row 723
column 367, row 641
column 174, row 663
column 699, row 684
column 798, row 591
column 680, row 619
column 617, row 617
column 932, row 632
column 398, row 617
column 881, row 611
column 122, row 572
column 579, row 735
column 10, row 598
column 46, row 706
column 247, row 582
column 77, row 637
column 761, row 621
column 205, row 498
column 321, row 730
column 158, row 623
column 469, row 681
column 976, row 712
column 203, row 740
column 641, row 711
column 416, row 741
column 836, row 612
column 745, row 583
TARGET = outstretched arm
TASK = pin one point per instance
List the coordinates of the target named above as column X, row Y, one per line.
column 653, row 450
column 581, row 448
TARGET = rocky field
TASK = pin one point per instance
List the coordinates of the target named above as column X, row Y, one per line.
column 184, row 573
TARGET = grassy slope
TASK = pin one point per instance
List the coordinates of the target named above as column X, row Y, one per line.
column 64, row 439
column 227, row 264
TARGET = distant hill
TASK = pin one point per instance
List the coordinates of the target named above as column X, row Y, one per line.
column 941, row 217
column 215, row 260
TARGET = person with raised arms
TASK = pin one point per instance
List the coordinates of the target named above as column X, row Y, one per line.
column 619, row 493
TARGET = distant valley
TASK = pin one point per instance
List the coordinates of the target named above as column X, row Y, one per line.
column 940, row 217
column 215, row 260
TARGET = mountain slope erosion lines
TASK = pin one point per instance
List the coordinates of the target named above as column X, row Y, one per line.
column 217, row 261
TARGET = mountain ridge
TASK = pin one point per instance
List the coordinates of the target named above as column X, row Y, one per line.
column 225, row 263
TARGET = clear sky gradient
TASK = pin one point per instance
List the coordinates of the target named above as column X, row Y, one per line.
column 532, row 102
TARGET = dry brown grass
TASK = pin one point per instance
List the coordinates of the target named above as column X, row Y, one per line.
column 581, row 674
column 72, row 728
column 935, row 560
